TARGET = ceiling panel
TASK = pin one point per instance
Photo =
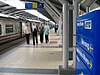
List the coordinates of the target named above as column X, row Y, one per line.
column 12, row 11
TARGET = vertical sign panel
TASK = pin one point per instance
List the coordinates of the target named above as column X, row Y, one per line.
column 88, row 43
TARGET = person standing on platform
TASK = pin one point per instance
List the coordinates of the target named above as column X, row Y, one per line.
column 46, row 32
column 34, row 33
column 41, row 32
column 27, row 32
column 56, row 28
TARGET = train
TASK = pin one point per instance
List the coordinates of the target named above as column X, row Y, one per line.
column 12, row 31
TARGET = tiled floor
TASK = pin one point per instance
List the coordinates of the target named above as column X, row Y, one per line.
column 43, row 56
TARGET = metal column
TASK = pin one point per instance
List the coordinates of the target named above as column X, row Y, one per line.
column 75, row 14
column 65, row 34
column 87, row 9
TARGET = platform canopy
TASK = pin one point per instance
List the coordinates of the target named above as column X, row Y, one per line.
column 17, row 13
column 58, row 5
column 13, row 11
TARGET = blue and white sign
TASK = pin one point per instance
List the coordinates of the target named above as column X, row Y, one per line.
column 81, row 69
column 88, row 44
column 85, row 25
column 86, row 58
column 34, row 5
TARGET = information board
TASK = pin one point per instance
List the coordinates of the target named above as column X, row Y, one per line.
column 34, row 5
column 88, row 44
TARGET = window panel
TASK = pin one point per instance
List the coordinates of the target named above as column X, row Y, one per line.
column 9, row 28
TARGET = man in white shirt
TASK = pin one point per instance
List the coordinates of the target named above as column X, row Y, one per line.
column 27, row 32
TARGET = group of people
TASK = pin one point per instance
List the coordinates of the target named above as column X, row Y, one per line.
column 40, row 30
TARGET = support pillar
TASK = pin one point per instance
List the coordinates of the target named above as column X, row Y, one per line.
column 64, row 69
column 87, row 9
column 65, row 35
column 75, row 14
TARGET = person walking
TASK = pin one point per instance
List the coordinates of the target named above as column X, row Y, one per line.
column 27, row 32
column 46, row 32
column 34, row 33
column 41, row 32
column 56, row 28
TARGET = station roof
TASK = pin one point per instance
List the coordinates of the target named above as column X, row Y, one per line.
column 19, row 13
column 13, row 11
column 58, row 5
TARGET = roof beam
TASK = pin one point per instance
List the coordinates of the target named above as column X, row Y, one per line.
column 51, row 10
column 53, row 7
column 98, row 2
column 56, row 19
column 10, row 11
column 10, row 8
column 4, row 5
column 60, row 7
column 91, row 3
column 17, row 12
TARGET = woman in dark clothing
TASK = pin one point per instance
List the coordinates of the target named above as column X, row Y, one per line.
column 41, row 31
column 34, row 33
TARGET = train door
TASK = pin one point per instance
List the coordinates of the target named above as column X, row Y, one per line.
column 0, row 30
column 20, row 29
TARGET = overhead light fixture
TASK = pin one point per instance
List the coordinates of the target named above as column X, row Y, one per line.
column 83, row 1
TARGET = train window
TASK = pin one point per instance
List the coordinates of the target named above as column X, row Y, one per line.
column 0, row 29
column 9, row 28
column 17, row 28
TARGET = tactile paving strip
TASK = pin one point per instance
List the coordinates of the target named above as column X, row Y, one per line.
column 28, row 71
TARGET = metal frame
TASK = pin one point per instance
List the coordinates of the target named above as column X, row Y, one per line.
column 53, row 7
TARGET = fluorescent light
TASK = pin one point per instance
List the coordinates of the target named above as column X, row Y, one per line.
column 34, row 20
column 52, row 22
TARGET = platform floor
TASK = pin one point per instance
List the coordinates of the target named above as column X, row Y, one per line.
column 42, row 59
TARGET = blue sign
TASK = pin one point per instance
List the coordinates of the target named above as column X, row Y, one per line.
column 85, row 25
column 34, row 5
column 88, row 43
column 40, row 5
column 81, row 69
column 85, row 58
column 28, row 5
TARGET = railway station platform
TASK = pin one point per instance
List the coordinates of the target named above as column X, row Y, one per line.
column 41, row 59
